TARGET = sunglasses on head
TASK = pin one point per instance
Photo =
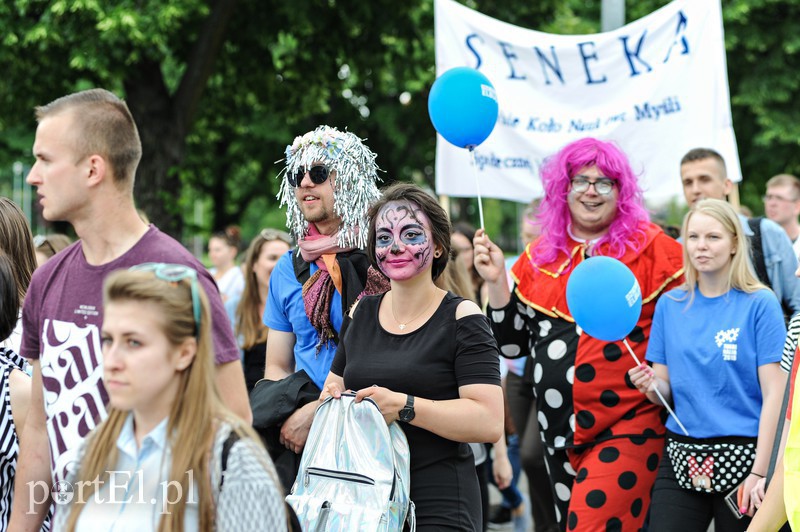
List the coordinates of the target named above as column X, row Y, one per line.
column 274, row 234
column 318, row 173
column 40, row 241
column 173, row 273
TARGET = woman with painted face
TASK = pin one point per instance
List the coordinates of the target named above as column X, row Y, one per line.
column 722, row 373
column 426, row 357
column 169, row 456
column 603, row 439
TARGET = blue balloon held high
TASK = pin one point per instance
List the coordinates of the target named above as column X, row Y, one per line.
column 604, row 297
column 463, row 106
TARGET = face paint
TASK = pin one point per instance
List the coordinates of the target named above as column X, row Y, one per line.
column 403, row 240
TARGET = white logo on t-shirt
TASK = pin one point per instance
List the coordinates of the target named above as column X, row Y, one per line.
column 727, row 341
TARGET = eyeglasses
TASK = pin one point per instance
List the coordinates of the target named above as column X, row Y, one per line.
column 174, row 273
column 602, row 185
column 42, row 241
column 274, row 234
column 318, row 173
column 771, row 197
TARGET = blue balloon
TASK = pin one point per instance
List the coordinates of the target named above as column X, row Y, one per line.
column 604, row 297
column 463, row 106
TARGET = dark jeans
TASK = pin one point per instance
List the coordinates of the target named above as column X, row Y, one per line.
column 525, row 416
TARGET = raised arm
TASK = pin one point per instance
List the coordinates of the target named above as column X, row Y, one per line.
column 490, row 264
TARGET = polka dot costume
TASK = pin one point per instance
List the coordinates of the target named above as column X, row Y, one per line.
column 599, row 431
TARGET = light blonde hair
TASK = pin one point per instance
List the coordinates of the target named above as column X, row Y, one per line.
column 195, row 415
column 741, row 274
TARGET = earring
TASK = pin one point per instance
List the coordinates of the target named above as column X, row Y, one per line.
column 437, row 254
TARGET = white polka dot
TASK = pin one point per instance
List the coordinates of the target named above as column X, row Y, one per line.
column 571, row 374
column 522, row 309
column 543, row 424
column 551, row 451
column 562, row 492
column 572, row 422
column 544, row 327
column 510, row 350
column 558, row 515
column 537, row 373
column 518, row 323
column 568, row 469
column 557, row 349
column 498, row 316
column 578, row 330
column 553, row 398
column 530, row 311
column 559, row 442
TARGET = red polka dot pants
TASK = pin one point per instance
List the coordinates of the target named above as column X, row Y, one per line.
column 605, row 487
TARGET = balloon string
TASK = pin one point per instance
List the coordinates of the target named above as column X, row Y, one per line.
column 477, row 184
column 661, row 397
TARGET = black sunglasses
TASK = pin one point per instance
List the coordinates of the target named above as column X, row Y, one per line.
column 318, row 173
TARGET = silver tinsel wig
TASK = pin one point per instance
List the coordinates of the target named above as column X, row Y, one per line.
column 355, row 187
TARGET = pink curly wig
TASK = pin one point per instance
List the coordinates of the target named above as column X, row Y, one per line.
column 554, row 216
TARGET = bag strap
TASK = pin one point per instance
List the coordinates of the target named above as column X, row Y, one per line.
column 776, row 443
column 757, row 250
column 226, row 450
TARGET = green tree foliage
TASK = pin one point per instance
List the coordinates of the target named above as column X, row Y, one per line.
column 219, row 87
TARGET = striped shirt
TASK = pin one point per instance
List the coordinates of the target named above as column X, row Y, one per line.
column 9, row 444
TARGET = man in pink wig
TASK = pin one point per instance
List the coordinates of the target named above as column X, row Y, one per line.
column 603, row 441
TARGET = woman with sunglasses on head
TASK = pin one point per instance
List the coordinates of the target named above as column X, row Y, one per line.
column 426, row 357
column 722, row 373
column 602, row 438
column 266, row 248
column 223, row 247
column 169, row 456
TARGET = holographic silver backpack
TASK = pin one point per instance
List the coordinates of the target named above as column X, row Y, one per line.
column 354, row 473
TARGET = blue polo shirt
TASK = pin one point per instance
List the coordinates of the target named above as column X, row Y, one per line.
column 286, row 312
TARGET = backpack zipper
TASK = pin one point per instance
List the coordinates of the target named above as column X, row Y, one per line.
column 337, row 475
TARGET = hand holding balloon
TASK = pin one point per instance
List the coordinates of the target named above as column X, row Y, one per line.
column 604, row 297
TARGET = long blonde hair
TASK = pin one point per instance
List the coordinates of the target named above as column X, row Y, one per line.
column 195, row 415
column 741, row 274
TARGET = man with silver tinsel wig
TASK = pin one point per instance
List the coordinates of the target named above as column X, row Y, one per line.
column 328, row 183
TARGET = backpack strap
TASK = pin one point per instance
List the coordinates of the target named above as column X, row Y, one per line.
column 226, row 450
column 302, row 269
column 757, row 250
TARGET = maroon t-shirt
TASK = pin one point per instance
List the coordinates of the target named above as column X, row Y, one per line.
column 61, row 320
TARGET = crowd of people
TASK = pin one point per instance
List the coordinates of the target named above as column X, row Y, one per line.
column 143, row 391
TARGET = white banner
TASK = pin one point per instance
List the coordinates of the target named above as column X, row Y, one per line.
column 658, row 87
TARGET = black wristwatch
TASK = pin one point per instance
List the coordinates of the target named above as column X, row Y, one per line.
column 407, row 413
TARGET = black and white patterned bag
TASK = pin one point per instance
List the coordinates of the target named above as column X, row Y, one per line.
column 710, row 465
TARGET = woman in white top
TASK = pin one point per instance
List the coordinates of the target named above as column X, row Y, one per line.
column 223, row 247
column 170, row 456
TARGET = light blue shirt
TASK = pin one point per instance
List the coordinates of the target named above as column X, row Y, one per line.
column 780, row 260
column 132, row 500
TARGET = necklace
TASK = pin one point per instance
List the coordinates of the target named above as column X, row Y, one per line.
column 402, row 326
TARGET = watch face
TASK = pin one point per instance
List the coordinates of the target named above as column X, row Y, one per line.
column 406, row 414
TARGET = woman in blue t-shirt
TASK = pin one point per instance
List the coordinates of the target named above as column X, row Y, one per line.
column 715, row 349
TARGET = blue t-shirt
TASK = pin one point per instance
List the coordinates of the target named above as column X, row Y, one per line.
column 286, row 312
column 713, row 350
